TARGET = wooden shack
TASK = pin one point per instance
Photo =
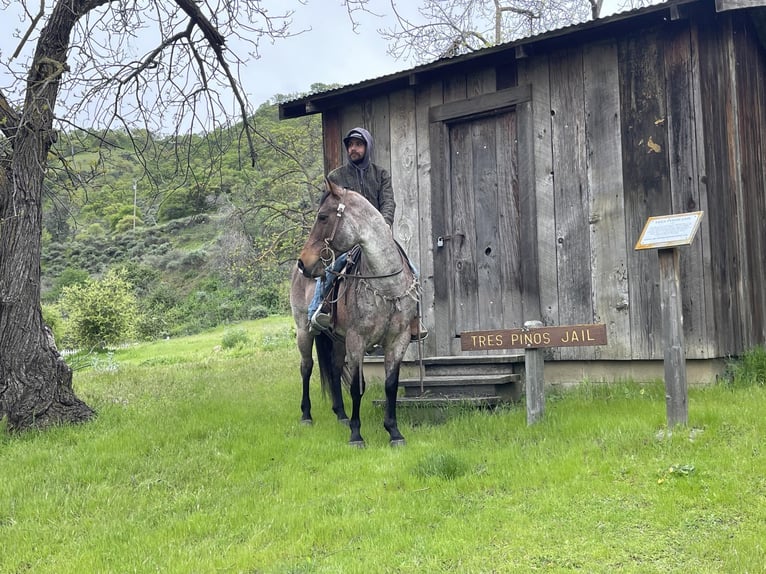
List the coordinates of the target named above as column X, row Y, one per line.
column 524, row 174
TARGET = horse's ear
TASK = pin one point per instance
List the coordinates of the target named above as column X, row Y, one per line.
column 331, row 187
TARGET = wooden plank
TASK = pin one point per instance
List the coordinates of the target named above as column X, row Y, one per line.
column 750, row 72
column 571, row 194
column 509, row 230
column 455, row 88
column 479, row 380
column 684, row 182
column 607, row 211
column 487, row 103
column 536, row 205
column 331, row 135
column 710, row 347
column 646, row 173
column 483, row 180
column 463, row 243
column 404, row 177
column 744, row 288
column 444, row 342
column 441, row 215
column 720, row 173
column 486, row 210
column 425, row 97
column 430, row 402
column 376, row 114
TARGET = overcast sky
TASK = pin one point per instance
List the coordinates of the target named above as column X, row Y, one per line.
column 329, row 51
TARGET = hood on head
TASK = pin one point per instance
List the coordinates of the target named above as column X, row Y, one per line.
column 366, row 137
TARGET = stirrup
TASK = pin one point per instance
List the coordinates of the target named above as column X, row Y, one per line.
column 419, row 336
column 320, row 322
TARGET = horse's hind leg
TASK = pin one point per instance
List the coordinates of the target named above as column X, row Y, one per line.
column 336, row 386
column 307, row 366
column 389, row 421
column 356, row 401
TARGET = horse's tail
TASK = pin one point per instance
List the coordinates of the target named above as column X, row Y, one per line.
column 325, row 350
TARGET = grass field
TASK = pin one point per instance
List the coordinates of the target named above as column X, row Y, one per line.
column 197, row 463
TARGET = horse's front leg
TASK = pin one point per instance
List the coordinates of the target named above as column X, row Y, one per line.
column 305, row 346
column 392, row 390
column 356, row 402
column 393, row 362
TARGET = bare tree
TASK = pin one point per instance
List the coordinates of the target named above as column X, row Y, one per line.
column 79, row 65
column 444, row 28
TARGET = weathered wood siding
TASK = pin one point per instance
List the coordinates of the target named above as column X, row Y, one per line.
column 663, row 119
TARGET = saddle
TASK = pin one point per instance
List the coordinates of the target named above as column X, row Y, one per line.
column 351, row 267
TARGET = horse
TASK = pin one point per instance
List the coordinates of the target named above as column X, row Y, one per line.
column 301, row 293
column 375, row 305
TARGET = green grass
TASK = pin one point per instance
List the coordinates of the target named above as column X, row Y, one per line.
column 197, row 463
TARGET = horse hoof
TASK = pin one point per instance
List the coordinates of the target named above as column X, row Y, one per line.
column 345, row 422
column 397, row 442
column 357, row 443
column 307, row 422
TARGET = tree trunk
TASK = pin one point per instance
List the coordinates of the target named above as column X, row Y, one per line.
column 35, row 382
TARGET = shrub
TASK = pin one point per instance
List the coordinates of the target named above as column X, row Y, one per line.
column 749, row 369
column 233, row 338
column 100, row 313
column 258, row 312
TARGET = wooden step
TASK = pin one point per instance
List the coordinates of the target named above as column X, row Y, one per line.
column 427, row 401
column 505, row 386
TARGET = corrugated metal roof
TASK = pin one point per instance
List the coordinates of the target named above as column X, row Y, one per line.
column 319, row 101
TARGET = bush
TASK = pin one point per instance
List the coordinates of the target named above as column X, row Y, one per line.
column 233, row 338
column 258, row 312
column 100, row 313
column 750, row 369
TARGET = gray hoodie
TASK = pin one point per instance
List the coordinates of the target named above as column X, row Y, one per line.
column 367, row 178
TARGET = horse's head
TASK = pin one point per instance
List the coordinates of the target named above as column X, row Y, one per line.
column 334, row 230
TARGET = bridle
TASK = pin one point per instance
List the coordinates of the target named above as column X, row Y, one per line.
column 329, row 261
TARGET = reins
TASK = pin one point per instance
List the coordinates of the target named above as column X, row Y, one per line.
column 338, row 216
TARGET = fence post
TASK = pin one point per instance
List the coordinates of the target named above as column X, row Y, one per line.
column 676, row 393
column 534, row 379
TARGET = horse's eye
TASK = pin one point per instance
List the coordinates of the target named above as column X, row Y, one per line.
column 322, row 217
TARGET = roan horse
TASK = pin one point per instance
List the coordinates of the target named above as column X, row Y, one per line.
column 374, row 306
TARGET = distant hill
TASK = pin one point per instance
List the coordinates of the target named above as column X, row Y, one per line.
column 202, row 235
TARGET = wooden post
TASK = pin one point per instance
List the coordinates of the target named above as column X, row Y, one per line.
column 534, row 379
column 676, row 394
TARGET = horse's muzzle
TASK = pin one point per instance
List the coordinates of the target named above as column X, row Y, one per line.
column 307, row 271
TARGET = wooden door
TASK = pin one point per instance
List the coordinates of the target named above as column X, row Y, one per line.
column 482, row 219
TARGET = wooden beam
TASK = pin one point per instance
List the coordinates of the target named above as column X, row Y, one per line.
column 480, row 105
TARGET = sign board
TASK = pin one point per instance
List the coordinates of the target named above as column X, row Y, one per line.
column 534, row 338
column 669, row 230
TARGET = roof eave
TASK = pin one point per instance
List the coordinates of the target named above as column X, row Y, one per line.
column 323, row 101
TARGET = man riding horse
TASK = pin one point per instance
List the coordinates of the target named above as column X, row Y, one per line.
column 360, row 174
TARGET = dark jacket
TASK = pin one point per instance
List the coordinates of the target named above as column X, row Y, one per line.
column 367, row 178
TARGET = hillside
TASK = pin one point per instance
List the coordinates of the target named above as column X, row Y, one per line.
column 201, row 237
